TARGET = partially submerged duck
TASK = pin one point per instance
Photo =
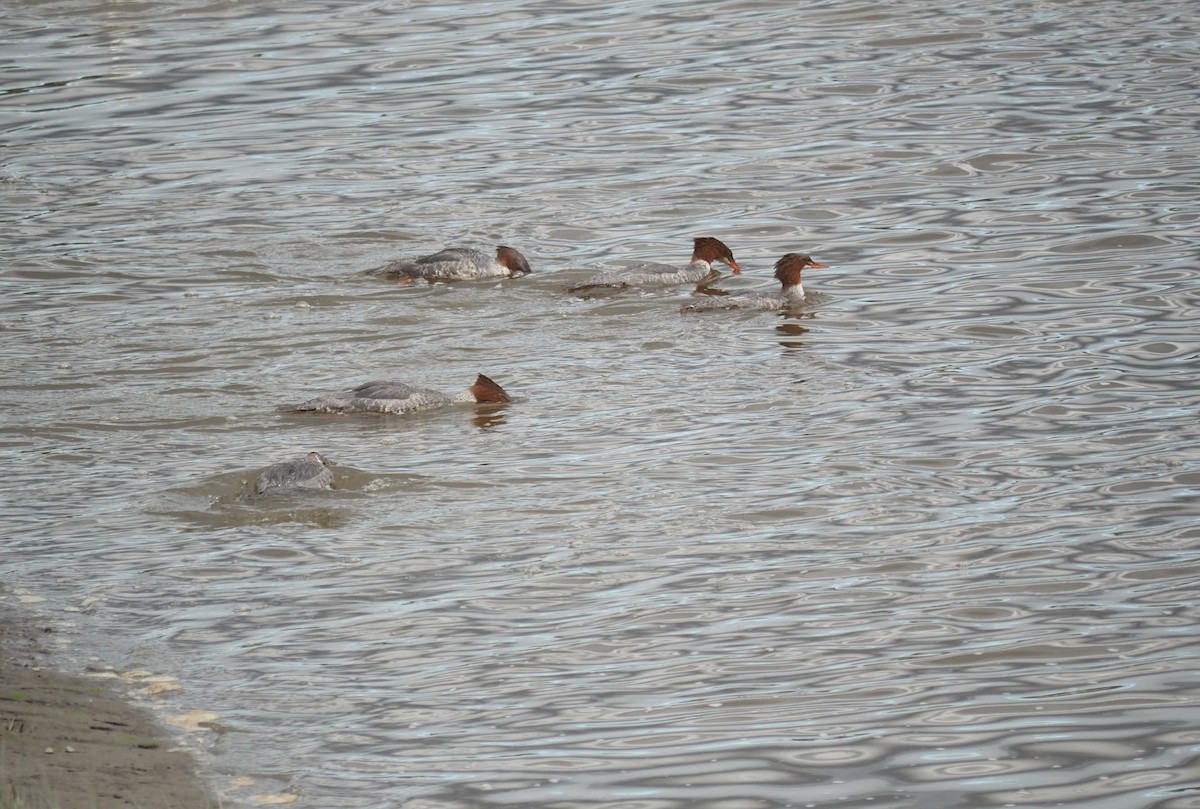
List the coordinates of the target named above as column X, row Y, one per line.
column 399, row 397
column 791, row 293
column 309, row 472
column 705, row 250
column 458, row 264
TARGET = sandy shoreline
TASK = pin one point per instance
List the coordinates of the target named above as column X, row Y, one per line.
column 70, row 741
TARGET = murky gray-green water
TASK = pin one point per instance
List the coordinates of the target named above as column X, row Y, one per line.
column 930, row 543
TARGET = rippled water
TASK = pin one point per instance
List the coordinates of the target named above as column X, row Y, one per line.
column 929, row 543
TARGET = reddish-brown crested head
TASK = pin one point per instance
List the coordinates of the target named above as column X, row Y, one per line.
column 485, row 390
column 788, row 268
column 512, row 258
column 706, row 248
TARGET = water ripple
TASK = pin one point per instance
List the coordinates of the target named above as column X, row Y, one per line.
column 928, row 542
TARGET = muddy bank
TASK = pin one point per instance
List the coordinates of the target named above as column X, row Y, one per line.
column 72, row 741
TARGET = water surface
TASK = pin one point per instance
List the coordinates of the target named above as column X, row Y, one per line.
column 929, row 542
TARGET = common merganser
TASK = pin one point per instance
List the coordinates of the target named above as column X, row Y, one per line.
column 705, row 251
column 459, row 264
column 787, row 270
column 309, row 472
column 398, row 397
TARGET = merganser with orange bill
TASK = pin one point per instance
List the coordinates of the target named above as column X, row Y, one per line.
column 394, row 398
column 458, row 264
column 705, row 251
column 309, row 472
column 787, row 270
